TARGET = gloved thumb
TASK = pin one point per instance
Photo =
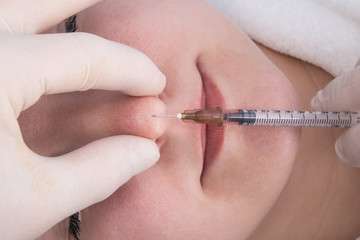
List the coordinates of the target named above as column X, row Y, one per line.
column 90, row 174
column 347, row 146
column 341, row 94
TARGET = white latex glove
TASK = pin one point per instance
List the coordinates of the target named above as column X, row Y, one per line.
column 37, row 192
column 343, row 94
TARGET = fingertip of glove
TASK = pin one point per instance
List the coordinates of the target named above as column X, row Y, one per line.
column 145, row 156
column 158, row 81
column 339, row 149
column 162, row 80
column 315, row 102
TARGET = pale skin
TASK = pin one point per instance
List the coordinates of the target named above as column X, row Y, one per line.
column 320, row 198
column 266, row 183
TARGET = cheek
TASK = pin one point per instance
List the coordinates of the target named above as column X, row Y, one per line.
column 148, row 207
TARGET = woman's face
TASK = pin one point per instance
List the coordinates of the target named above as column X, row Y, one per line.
column 210, row 182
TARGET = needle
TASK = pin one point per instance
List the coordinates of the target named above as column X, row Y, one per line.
column 168, row 116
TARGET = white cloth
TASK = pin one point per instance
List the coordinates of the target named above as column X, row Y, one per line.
column 325, row 33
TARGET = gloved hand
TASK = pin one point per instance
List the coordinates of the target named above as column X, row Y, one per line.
column 37, row 192
column 343, row 94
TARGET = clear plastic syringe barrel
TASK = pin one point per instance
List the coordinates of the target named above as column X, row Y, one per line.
column 290, row 118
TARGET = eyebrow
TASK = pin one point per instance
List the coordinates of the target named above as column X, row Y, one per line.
column 74, row 225
column 71, row 24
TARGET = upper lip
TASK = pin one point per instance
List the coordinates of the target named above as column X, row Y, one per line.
column 213, row 135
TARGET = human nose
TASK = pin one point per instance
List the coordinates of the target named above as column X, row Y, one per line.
column 133, row 116
column 75, row 120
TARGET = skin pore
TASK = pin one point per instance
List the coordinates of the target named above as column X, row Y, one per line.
column 263, row 184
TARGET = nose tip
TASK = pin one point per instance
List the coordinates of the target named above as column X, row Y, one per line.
column 135, row 117
column 154, row 127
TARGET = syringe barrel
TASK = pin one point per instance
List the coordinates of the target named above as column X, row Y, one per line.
column 290, row 118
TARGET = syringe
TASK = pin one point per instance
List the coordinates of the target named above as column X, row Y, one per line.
column 272, row 118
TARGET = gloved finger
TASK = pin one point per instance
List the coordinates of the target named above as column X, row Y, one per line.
column 89, row 175
column 347, row 146
column 56, row 63
column 35, row 16
column 341, row 94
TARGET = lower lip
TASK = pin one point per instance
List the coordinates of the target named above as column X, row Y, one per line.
column 214, row 135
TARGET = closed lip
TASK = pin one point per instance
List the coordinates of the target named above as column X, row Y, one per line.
column 212, row 136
